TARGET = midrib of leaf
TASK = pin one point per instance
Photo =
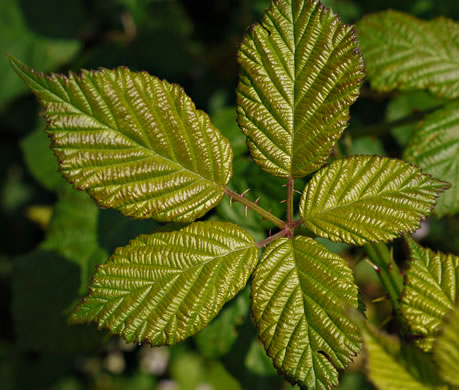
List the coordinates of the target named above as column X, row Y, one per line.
column 116, row 129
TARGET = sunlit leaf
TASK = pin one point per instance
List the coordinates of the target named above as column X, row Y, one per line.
column 434, row 147
column 446, row 349
column 394, row 366
column 403, row 52
column 299, row 294
column 430, row 293
column 368, row 199
column 164, row 287
column 301, row 69
column 134, row 142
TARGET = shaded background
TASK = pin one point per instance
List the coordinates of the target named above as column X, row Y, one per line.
column 52, row 237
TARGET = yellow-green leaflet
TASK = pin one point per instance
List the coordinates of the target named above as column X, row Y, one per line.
column 301, row 69
column 165, row 287
column 430, row 293
column 133, row 142
column 365, row 199
column 300, row 291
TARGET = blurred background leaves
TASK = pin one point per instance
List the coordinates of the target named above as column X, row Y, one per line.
column 52, row 237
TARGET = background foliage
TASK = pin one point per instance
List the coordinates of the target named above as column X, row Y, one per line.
column 52, row 237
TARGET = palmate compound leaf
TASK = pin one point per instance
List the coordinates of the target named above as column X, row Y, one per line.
column 446, row 349
column 365, row 199
column 434, row 147
column 404, row 52
column 393, row 365
column 165, row 287
column 133, row 142
column 301, row 69
column 300, row 291
column 430, row 293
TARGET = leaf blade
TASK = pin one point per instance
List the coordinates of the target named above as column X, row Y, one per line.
column 392, row 365
column 290, row 115
column 133, row 142
column 434, row 147
column 403, row 52
column 365, row 199
column 430, row 292
column 446, row 349
column 300, row 317
column 165, row 287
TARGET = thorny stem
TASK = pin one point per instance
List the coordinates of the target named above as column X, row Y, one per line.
column 253, row 206
column 290, row 188
column 388, row 273
column 287, row 231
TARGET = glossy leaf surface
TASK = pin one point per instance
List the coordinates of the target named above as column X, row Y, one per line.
column 434, row 147
column 299, row 293
column 430, row 293
column 394, row 366
column 446, row 349
column 367, row 199
column 301, row 69
column 403, row 52
column 133, row 142
column 164, row 287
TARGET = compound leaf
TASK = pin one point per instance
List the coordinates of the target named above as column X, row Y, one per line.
column 434, row 147
column 430, row 293
column 301, row 69
column 133, row 142
column 299, row 294
column 404, row 52
column 393, row 366
column 164, row 287
column 365, row 199
column 446, row 349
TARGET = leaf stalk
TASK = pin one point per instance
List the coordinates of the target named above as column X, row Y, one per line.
column 234, row 196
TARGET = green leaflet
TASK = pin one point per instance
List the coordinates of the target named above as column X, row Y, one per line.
column 430, row 293
column 165, row 287
column 434, row 147
column 395, row 366
column 403, row 52
column 133, row 142
column 299, row 292
column 446, row 349
column 367, row 199
column 301, row 69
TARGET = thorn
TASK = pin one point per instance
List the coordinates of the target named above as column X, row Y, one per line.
column 298, row 192
column 245, row 192
column 269, row 232
column 262, row 219
column 375, row 267
column 283, row 201
column 380, row 299
column 246, row 208
column 284, row 185
column 256, row 200
column 269, row 211
column 231, row 201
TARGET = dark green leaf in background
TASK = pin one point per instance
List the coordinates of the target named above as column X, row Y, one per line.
column 434, row 147
column 301, row 69
column 406, row 53
column 39, row 50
